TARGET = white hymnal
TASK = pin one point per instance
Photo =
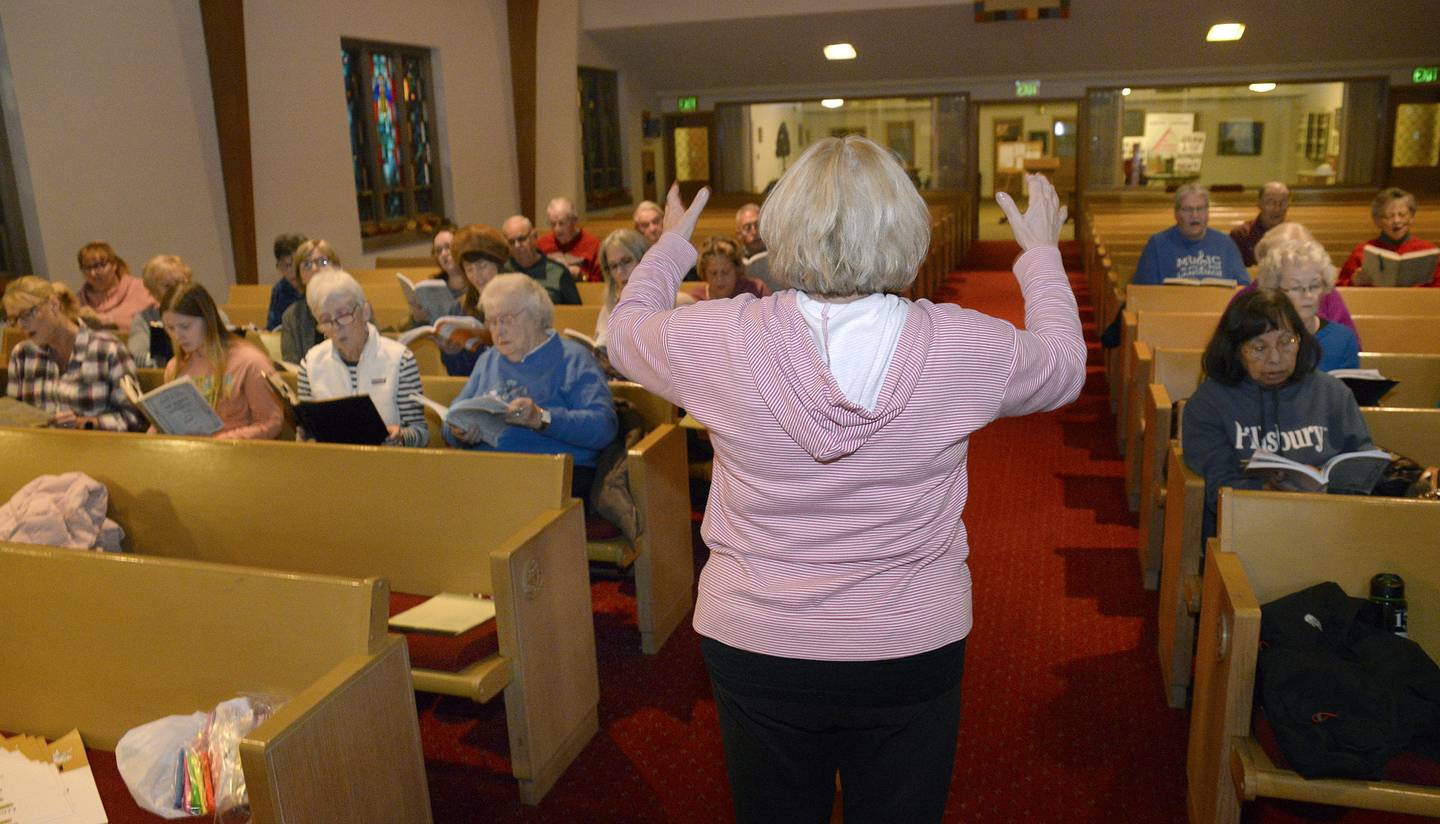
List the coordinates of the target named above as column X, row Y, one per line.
column 177, row 408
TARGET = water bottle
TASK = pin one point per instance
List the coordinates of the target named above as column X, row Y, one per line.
column 1387, row 590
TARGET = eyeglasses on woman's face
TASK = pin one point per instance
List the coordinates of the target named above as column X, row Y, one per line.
column 1259, row 349
column 27, row 316
column 315, row 263
column 1301, row 290
column 339, row 320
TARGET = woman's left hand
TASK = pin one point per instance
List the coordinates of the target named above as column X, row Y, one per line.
column 392, row 434
column 679, row 219
column 524, row 412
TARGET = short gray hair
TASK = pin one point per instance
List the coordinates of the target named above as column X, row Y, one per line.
column 564, row 206
column 845, row 220
column 525, row 293
column 645, row 205
column 1382, row 201
column 330, row 285
column 1191, row 189
column 1279, row 233
column 1292, row 252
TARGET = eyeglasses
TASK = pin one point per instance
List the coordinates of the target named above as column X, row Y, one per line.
column 315, row 263
column 622, row 262
column 1259, row 349
column 94, row 265
column 438, row 250
column 1193, row 210
column 27, row 315
column 1302, row 291
column 343, row 319
column 505, row 321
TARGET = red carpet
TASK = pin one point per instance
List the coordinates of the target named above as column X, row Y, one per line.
column 1063, row 715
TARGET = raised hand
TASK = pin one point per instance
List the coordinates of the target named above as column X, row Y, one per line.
column 679, row 219
column 1040, row 225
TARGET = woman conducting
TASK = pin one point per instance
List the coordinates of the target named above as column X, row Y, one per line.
column 229, row 372
column 836, row 600
column 1303, row 272
column 65, row 368
column 357, row 360
column 1261, row 389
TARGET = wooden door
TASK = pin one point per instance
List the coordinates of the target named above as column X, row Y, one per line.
column 690, row 148
column 1415, row 139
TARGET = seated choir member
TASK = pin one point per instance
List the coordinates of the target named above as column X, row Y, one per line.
column 1332, row 305
column 449, row 272
column 229, row 372
column 568, row 242
column 110, row 289
column 357, row 360
column 558, row 398
column 1190, row 249
column 65, row 368
column 1302, row 270
column 480, row 251
column 161, row 274
column 1261, row 389
column 1393, row 210
column 620, row 252
column 525, row 257
column 723, row 271
column 287, row 283
column 297, row 325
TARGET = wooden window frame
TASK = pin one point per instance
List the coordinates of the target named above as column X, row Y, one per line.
column 414, row 228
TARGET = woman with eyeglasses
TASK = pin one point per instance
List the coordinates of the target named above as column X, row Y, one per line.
column 65, row 368
column 229, row 372
column 297, row 326
column 110, row 289
column 722, row 269
column 356, row 360
column 620, row 251
column 1303, row 271
column 1261, row 390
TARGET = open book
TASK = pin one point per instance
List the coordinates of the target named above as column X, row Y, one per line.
column 1228, row 283
column 177, row 408
column 1368, row 385
column 483, row 413
column 457, row 330
column 432, row 295
column 19, row 413
column 351, row 419
column 581, row 337
column 446, row 613
column 1356, row 472
column 1389, row 268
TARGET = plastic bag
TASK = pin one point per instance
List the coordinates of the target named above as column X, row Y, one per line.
column 145, row 757
column 187, row 765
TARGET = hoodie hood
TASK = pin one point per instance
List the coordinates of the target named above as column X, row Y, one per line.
column 797, row 387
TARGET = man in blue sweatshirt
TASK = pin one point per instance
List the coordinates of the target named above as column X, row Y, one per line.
column 1190, row 249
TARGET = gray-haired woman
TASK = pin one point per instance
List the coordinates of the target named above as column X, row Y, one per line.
column 356, row 360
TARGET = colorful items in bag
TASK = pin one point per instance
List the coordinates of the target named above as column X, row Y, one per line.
column 194, row 788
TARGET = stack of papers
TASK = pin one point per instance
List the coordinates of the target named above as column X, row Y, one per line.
column 446, row 613
column 44, row 783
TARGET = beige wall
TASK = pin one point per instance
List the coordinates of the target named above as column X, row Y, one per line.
column 109, row 107
column 557, row 115
column 765, row 120
column 300, row 141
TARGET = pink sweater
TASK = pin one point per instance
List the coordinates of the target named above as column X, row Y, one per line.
column 128, row 298
column 834, row 531
column 246, row 404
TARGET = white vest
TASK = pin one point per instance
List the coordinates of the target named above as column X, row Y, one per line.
column 377, row 374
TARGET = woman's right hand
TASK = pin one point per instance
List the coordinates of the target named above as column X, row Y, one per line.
column 1040, row 225
column 679, row 219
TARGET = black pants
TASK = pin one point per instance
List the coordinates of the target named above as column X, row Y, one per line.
column 888, row 727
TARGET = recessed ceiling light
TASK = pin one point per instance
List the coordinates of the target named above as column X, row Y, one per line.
column 1223, row 32
column 839, row 51
column 833, row 102
column 1262, row 87
column 1125, row 91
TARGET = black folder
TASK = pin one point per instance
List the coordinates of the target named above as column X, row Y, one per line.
column 353, row 419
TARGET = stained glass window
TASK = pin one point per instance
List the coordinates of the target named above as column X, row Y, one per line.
column 392, row 148
column 600, row 138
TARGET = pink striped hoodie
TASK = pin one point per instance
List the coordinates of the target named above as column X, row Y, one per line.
column 835, row 531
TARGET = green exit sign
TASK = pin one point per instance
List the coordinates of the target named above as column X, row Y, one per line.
column 687, row 104
column 1426, row 74
column 1027, row 88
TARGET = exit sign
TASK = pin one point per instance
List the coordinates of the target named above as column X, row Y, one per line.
column 687, row 104
column 1027, row 88
column 1426, row 74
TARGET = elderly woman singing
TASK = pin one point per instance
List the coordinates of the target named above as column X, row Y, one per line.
column 836, row 600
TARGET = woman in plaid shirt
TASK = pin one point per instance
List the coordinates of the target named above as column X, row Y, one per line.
column 68, row 370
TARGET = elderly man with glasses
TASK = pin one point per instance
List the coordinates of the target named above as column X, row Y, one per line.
column 1190, row 249
column 569, row 243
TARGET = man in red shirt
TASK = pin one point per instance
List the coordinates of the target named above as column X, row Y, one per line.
column 568, row 243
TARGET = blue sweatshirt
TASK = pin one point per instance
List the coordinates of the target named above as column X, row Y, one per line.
column 1339, row 348
column 562, row 377
column 1168, row 254
column 1310, row 421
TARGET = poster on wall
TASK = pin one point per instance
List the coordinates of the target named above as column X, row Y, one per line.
column 1241, row 137
column 1187, row 158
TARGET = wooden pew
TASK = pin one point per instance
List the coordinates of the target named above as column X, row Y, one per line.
column 430, row 521
column 104, row 643
column 581, row 318
column 591, row 293
column 1414, row 433
column 1379, row 300
column 1267, row 548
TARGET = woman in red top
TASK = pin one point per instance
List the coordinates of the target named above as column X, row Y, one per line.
column 1393, row 210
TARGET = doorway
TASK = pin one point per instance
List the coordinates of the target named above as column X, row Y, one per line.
column 1016, row 139
column 690, row 150
column 1415, row 149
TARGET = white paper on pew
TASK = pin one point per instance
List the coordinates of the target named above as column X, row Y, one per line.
column 446, row 613
column 84, row 797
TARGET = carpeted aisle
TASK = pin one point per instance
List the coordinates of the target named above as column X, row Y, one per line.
column 1063, row 716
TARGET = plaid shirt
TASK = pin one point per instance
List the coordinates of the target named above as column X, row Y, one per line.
column 89, row 387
